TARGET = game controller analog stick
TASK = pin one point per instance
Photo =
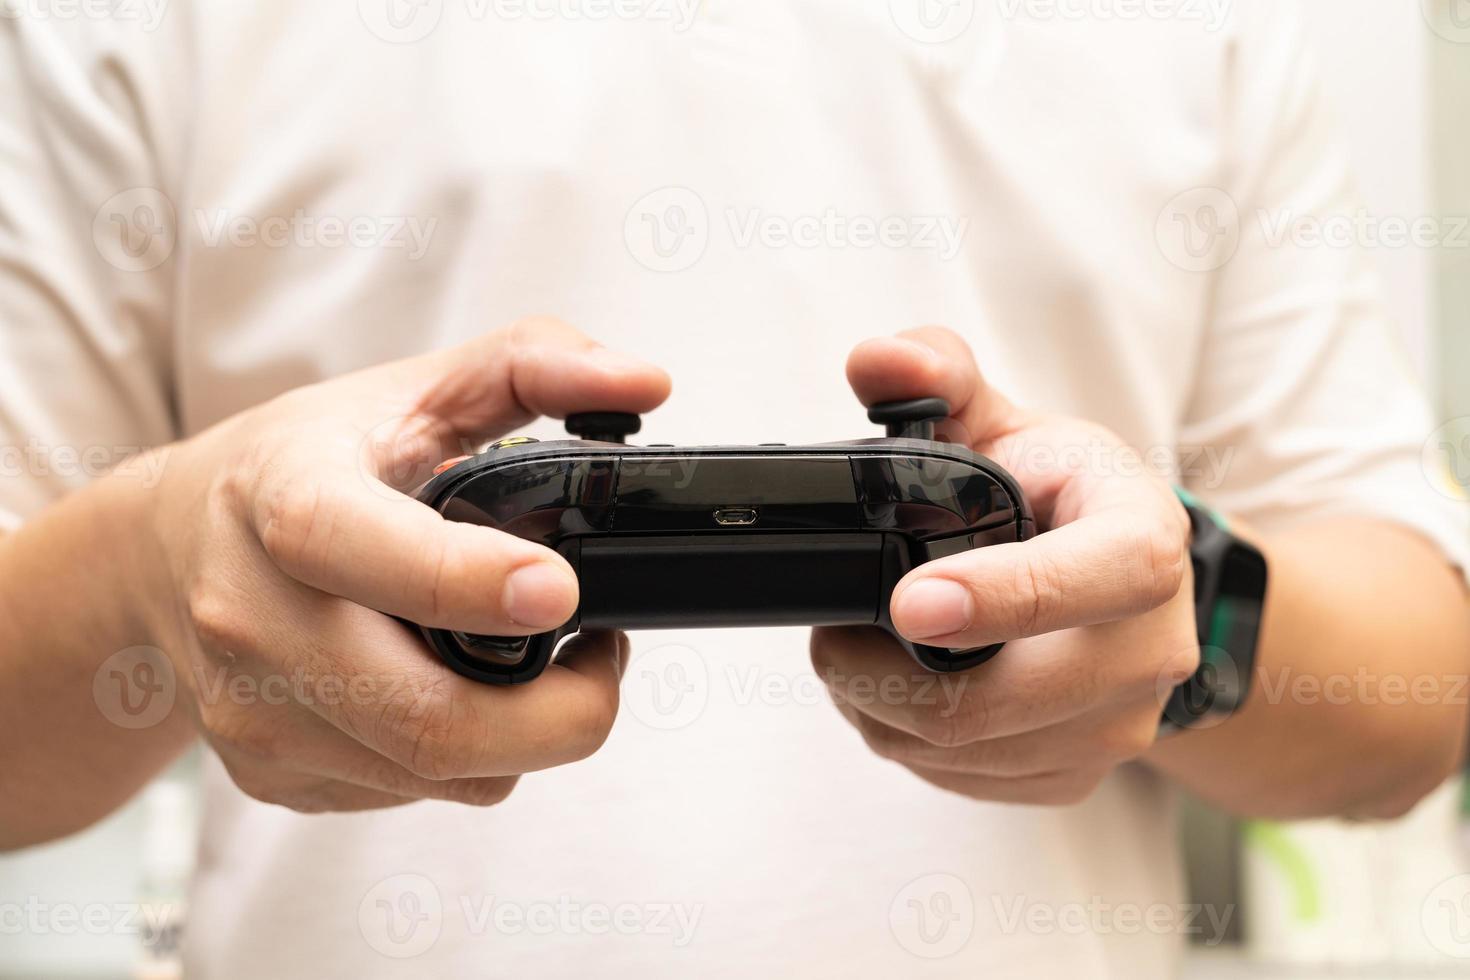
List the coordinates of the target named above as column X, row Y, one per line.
column 604, row 426
column 665, row 537
column 913, row 419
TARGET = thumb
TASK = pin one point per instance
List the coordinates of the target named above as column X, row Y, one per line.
column 439, row 404
column 933, row 362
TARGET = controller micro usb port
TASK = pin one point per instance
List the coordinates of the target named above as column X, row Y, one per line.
column 736, row 516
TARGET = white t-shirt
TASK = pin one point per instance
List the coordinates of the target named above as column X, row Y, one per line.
column 206, row 203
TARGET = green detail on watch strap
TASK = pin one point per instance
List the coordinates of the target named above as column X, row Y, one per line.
column 1192, row 501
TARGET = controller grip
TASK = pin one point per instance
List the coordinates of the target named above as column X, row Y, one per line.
column 633, row 583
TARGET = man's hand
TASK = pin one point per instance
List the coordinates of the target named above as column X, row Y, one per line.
column 1096, row 612
column 286, row 541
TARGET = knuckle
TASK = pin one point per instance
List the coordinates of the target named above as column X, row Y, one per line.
column 479, row 792
column 1159, row 552
column 588, row 725
column 945, row 731
column 1069, row 790
column 264, row 745
column 823, row 657
column 296, row 524
column 1038, row 595
column 262, row 785
column 1125, row 742
column 216, row 618
column 884, row 741
column 420, row 730
column 429, row 579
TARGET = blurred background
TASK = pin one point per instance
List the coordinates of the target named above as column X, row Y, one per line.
column 1306, row 900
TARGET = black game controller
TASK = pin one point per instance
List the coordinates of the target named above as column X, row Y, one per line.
column 772, row 535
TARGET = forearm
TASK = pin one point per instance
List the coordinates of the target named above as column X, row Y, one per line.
column 1358, row 703
column 72, row 587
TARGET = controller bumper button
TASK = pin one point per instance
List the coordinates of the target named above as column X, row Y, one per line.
column 450, row 464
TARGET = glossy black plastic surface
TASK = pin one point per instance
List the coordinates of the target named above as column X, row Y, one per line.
column 728, row 536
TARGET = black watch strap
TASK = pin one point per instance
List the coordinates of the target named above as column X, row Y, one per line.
column 1229, row 597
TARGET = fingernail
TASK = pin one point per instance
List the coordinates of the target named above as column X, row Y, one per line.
column 539, row 596
column 933, row 607
column 927, row 352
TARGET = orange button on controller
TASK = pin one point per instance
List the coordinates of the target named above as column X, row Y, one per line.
column 449, row 464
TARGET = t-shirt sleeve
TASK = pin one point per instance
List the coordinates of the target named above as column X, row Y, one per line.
column 86, row 256
column 1304, row 392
